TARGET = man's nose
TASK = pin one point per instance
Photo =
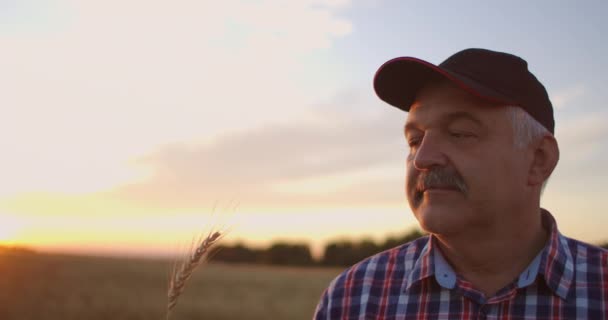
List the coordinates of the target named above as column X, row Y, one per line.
column 429, row 154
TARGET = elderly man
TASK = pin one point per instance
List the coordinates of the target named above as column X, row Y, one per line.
column 481, row 147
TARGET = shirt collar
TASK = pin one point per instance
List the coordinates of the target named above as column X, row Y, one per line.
column 423, row 266
column 444, row 274
column 431, row 262
column 554, row 262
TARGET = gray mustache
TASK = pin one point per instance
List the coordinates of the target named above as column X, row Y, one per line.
column 440, row 178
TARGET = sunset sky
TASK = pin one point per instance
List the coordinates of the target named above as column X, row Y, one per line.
column 126, row 122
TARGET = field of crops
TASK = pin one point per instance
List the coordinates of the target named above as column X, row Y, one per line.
column 53, row 287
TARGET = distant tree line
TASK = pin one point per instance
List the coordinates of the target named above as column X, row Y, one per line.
column 346, row 253
column 15, row 249
column 336, row 253
column 278, row 254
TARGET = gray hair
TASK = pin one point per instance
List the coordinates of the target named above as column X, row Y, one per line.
column 525, row 130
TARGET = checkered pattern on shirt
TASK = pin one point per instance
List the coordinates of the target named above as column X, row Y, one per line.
column 571, row 283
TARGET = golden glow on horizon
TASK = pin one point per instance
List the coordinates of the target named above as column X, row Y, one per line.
column 167, row 233
column 10, row 227
column 170, row 232
column 41, row 204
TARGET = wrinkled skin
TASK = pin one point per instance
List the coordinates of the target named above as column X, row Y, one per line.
column 464, row 173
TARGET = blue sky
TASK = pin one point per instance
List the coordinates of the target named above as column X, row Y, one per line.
column 136, row 116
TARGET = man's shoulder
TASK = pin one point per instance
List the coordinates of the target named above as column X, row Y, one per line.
column 370, row 280
column 397, row 261
column 586, row 253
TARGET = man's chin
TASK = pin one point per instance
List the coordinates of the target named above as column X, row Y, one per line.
column 438, row 219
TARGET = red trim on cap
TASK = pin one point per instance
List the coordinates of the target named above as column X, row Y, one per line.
column 442, row 72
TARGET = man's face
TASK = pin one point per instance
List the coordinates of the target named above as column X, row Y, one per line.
column 463, row 171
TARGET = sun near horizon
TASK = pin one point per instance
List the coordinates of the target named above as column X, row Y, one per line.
column 10, row 229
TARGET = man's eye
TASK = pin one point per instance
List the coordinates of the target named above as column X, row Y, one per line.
column 461, row 135
column 413, row 142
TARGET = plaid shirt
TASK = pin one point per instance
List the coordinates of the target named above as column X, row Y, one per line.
column 567, row 280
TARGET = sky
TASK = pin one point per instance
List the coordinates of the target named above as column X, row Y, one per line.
column 131, row 126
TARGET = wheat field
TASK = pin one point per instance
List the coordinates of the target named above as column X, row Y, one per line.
column 54, row 287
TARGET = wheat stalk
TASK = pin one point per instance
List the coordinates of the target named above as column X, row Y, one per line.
column 180, row 275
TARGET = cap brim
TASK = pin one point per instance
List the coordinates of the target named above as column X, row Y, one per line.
column 398, row 81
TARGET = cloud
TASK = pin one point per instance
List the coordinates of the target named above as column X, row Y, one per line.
column 343, row 159
column 580, row 132
column 564, row 98
column 96, row 83
column 582, row 139
column 338, row 157
column 143, row 105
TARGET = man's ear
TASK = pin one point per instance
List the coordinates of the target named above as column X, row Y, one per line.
column 544, row 160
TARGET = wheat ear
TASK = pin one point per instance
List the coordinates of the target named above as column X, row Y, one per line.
column 180, row 275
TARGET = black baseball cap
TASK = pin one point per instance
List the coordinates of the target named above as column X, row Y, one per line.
column 497, row 77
